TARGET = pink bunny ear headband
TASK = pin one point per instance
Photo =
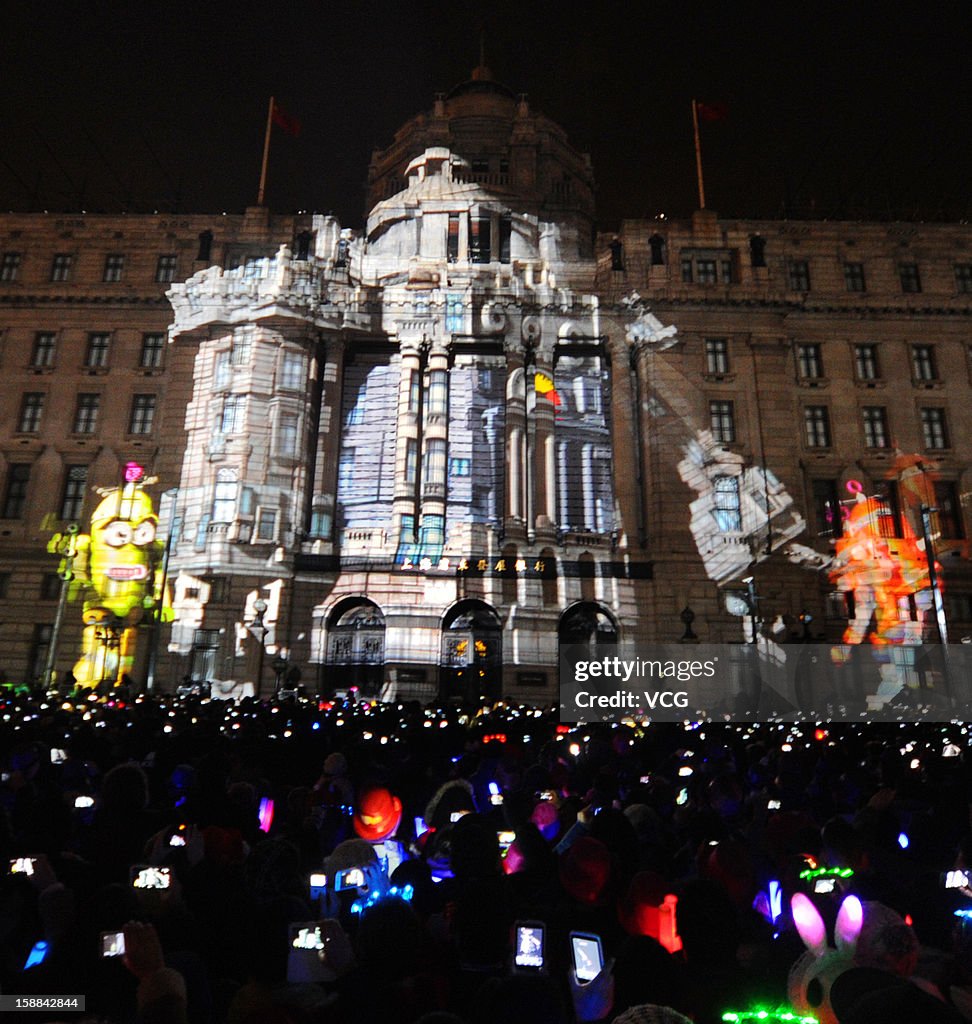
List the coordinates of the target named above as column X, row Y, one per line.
column 813, row 931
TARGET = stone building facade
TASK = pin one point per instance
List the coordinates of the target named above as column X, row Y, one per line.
column 416, row 457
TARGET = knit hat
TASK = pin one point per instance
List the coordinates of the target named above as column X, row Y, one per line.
column 336, row 764
column 585, row 869
column 378, row 815
column 352, row 853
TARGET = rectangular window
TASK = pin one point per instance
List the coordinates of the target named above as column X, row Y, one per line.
column 826, row 509
column 727, row 510
column 31, row 411
column 950, row 525
column 727, row 277
column 44, row 348
column 798, row 275
column 292, row 371
column 933, row 427
column 10, row 266
column 96, row 356
column 452, row 240
column 414, row 391
column 866, row 362
column 909, row 276
column 480, row 239
column 165, row 269
column 287, row 436
column 455, row 315
column 963, row 278
column 72, row 498
column 506, row 235
column 889, row 515
column 816, row 426
column 50, row 588
column 411, row 460
column 86, row 414
column 459, row 467
column 716, row 355
column 114, row 265
column 4, row 584
column 221, row 370
column 143, row 414
column 242, row 346
column 810, row 361
column 224, row 497
column 722, row 421
column 705, row 271
column 231, row 420
column 686, row 271
column 854, row 277
column 923, row 362
column 15, row 493
column 875, row 419
column 153, row 345
column 61, row 267
column 266, row 529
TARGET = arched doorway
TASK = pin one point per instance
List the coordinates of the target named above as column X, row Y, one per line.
column 588, row 623
column 471, row 664
column 356, row 646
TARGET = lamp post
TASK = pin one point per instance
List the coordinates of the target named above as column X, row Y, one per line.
column 752, row 600
column 259, row 630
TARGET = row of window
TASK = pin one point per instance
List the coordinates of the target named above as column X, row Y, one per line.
column 63, row 264
column 720, row 268
column 867, row 366
column 829, row 512
column 816, row 425
column 43, row 355
column 810, row 361
column 86, row 411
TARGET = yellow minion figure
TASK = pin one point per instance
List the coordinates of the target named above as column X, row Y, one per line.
column 117, row 565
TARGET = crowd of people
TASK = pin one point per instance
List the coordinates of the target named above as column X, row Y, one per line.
column 185, row 859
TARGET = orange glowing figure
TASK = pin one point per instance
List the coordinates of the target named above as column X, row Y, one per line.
column 880, row 570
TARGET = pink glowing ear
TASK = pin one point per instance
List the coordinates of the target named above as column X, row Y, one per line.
column 849, row 923
column 809, row 924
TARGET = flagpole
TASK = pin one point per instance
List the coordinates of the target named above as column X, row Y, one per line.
column 698, row 154
column 266, row 154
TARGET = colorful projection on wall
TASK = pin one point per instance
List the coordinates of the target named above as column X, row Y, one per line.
column 366, row 464
column 116, row 567
column 585, row 492
column 881, row 561
column 477, row 440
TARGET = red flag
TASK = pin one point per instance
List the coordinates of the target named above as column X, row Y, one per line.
column 712, row 111
column 286, row 122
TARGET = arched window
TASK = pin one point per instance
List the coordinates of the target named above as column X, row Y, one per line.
column 589, row 623
column 356, row 645
column 472, row 652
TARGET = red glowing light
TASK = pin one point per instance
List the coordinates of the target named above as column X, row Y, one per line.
column 908, row 920
column 820, row 734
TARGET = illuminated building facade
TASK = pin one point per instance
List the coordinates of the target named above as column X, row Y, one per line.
column 415, row 458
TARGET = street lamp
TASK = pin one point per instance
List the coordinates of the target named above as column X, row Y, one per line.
column 753, row 601
column 259, row 630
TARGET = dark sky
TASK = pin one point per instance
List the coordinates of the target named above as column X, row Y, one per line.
column 834, row 110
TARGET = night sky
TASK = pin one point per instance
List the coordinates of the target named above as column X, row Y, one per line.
column 850, row 110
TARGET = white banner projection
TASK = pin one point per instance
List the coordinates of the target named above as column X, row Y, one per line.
column 765, row 682
column 477, row 440
column 584, row 488
column 366, row 466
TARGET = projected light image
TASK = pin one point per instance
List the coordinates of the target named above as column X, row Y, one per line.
column 585, row 491
column 883, row 564
column 366, row 466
